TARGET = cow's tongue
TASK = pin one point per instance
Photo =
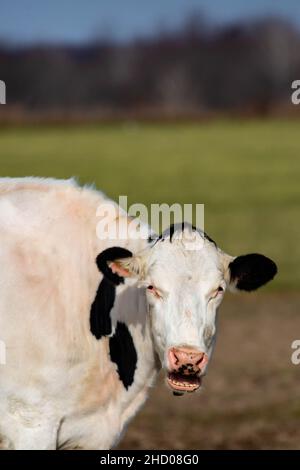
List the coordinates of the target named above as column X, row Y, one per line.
column 183, row 383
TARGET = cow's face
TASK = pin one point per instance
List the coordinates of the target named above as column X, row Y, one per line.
column 185, row 276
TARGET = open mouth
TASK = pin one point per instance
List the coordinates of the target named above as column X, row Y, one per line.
column 183, row 383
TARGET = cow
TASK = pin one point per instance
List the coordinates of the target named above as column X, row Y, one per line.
column 88, row 322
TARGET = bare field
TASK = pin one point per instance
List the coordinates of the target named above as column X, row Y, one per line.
column 251, row 395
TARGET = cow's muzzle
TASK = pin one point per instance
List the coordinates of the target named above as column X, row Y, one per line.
column 185, row 368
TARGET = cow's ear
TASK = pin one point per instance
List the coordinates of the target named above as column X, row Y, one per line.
column 249, row 272
column 109, row 263
column 117, row 263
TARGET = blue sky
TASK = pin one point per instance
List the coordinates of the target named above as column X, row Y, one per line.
column 78, row 20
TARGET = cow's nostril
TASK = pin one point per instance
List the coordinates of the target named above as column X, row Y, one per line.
column 176, row 358
column 200, row 359
column 186, row 362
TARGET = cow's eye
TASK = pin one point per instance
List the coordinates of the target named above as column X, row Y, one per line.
column 218, row 291
column 154, row 291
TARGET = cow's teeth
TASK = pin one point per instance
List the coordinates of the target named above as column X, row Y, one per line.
column 183, row 384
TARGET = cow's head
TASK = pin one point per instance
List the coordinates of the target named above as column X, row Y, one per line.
column 185, row 276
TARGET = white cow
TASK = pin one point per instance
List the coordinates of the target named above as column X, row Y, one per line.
column 88, row 323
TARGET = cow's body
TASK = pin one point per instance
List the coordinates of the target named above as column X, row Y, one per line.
column 83, row 346
column 59, row 387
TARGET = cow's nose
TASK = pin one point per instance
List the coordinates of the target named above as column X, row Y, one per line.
column 186, row 361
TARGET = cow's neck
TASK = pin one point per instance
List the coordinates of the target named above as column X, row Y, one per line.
column 131, row 323
column 121, row 315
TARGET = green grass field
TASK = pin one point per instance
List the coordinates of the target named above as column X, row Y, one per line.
column 246, row 173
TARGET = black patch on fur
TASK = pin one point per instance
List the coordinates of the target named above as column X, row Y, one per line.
column 169, row 232
column 111, row 254
column 152, row 237
column 100, row 321
column 172, row 230
column 209, row 239
column 252, row 271
column 123, row 353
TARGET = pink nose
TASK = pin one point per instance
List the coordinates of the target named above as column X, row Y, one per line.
column 186, row 361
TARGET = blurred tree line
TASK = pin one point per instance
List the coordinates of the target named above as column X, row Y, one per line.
column 197, row 69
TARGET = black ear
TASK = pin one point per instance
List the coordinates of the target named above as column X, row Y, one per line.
column 248, row 272
column 111, row 254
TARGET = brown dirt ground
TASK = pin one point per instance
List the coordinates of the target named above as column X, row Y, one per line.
column 251, row 395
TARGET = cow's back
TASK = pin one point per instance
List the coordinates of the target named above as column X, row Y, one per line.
column 46, row 262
